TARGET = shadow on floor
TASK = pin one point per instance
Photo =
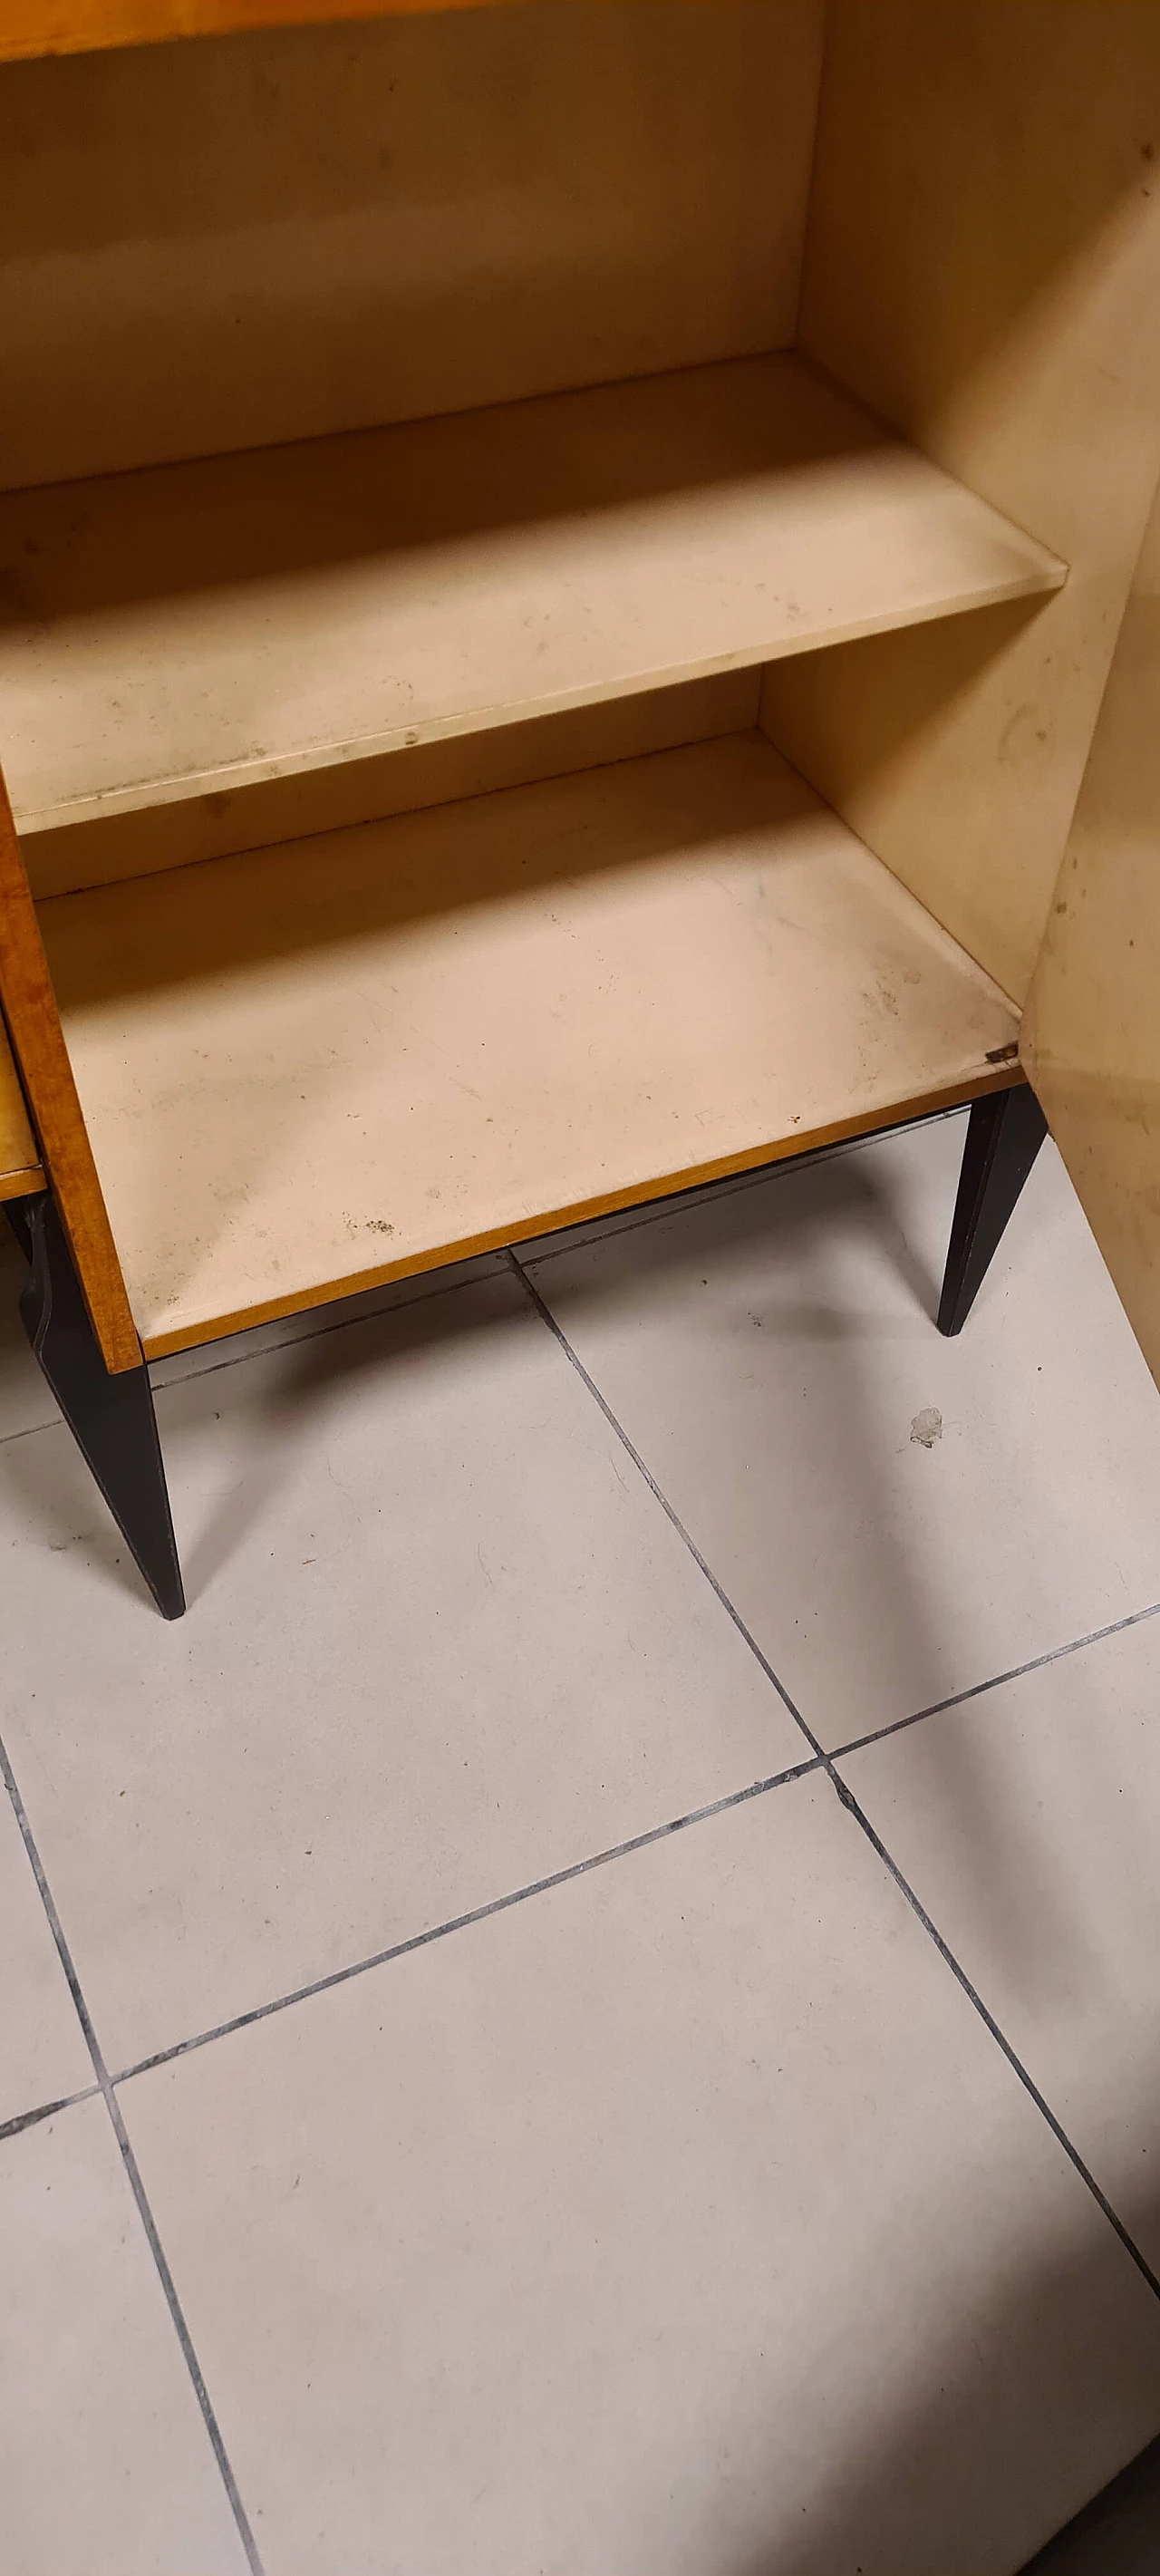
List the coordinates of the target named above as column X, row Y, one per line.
column 1118, row 2534
column 998, row 2428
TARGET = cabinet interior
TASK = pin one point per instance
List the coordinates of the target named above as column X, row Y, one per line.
column 558, row 564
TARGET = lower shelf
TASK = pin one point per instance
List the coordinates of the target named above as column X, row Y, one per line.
column 349, row 1057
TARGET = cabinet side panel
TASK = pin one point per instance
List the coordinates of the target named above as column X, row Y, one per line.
column 28, row 1008
column 19, row 1162
column 1091, row 1036
column 983, row 268
column 273, row 235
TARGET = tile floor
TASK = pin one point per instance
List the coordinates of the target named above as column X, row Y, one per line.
column 594, row 2010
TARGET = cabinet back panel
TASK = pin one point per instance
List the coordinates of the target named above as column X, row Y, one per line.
column 270, row 236
column 983, row 268
column 317, row 801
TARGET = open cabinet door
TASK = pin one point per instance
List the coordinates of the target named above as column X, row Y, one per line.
column 1091, row 1036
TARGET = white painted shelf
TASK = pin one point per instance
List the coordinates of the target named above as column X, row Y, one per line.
column 194, row 627
column 360, row 1054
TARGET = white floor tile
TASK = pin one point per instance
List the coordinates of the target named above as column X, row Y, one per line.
column 1028, row 1823
column 895, row 1516
column 442, row 1640
column 106, row 2467
column 685, row 2218
column 43, row 2057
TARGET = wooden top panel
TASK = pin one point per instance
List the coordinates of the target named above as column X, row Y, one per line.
column 352, row 1056
column 88, row 26
column 202, row 626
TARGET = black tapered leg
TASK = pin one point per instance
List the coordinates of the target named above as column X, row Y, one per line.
column 1004, row 1135
column 111, row 1417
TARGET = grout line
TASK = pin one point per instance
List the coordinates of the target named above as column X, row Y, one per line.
column 826, row 1762
column 945, row 1952
column 132, row 2170
column 44, row 2111
column 462, row 1922
column 1035, row 1664
column 546, row 1317
column 821, row 1760
column 51, row 1422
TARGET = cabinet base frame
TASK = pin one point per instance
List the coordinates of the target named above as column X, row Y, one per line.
column 1004, row 1134
column 110, row 1416
column 113, row 1422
